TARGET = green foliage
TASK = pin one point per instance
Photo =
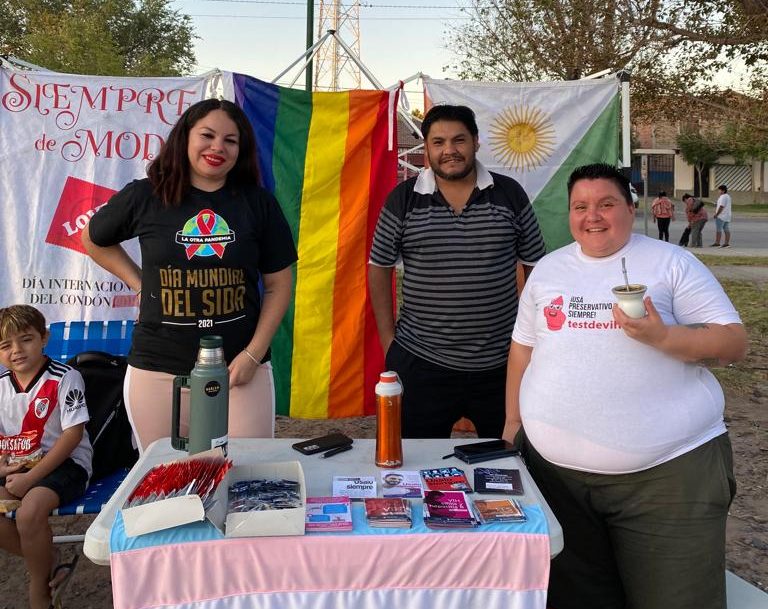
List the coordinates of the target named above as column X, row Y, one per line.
column 700, row 150
column 673, row 48
column 107, row 37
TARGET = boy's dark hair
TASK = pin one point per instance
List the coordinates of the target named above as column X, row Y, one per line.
column 446, row 112
column 598, row 171
column 723, row 187
column 687, row 196
column 17, row 318
column 169, row 173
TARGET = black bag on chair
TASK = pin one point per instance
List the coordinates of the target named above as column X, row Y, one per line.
column 685, row 236
column 109, row 429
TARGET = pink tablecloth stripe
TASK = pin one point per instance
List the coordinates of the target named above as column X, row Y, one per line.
column 200, row 571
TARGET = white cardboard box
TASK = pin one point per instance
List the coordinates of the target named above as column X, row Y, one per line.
column 168, row 513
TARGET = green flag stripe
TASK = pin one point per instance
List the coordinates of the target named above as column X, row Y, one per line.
column 291, row 131
column 600, row 144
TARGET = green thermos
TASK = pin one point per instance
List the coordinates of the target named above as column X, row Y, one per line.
column 208, row 385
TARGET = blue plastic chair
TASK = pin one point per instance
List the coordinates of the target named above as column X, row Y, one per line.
column 68, row 338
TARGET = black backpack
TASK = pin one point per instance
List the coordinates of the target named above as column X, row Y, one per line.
column 109, row 429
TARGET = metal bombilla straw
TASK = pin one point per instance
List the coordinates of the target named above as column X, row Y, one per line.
column 624, row 271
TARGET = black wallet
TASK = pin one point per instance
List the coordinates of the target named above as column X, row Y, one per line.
column 316, row 445
column 484, row 451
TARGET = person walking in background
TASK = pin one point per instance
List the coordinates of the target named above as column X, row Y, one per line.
column 723, row 217
column 459, row 231
column 697, row 217
column 663, row 212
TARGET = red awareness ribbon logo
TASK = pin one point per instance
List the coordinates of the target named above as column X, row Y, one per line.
column 205, row 220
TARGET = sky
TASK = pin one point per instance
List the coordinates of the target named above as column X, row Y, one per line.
column 398, row 38
column 261, row 38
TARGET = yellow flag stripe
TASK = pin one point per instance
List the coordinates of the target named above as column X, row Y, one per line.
column 316, row 268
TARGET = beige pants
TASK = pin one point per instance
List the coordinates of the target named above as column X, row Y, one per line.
column 148, row 401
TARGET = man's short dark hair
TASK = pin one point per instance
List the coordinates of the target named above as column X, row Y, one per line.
column 723, row 187
column 598, row 171
column 446, row 112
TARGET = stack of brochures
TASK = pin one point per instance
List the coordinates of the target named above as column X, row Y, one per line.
column 448, row 510
column 401, row 483
column 503, row 481
column 388, row 512
column 445, row 479
column 499, row 510
column 328, row 514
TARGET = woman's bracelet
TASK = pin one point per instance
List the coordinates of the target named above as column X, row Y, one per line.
column 249, row 354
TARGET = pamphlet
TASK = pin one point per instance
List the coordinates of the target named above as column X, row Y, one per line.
column 499, row 510
column 445, row 479
column 448, row 510
column 388, row 512
column 328, row 514
column 492, row 480
column 401, row 483
column 354, row 487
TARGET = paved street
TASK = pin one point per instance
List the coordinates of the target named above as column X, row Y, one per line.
column 749, row 233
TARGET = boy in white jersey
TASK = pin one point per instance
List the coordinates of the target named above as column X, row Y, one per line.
column 45, row 453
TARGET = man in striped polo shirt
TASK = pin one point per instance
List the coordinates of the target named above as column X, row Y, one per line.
column 459, row 231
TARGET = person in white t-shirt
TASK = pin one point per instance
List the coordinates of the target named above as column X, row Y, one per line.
column 723, row 217
column 623, row 424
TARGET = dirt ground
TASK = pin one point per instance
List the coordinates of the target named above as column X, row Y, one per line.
column 747, row 533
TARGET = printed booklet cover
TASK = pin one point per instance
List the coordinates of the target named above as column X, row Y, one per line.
column 499, row 510
column 401, row 483
column 388, row 512
column 447, row 510
column 492, row 480
column 445, row 479
column 354, row 487
column 328, row 514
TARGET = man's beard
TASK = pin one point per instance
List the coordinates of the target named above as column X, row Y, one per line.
column 453, row 176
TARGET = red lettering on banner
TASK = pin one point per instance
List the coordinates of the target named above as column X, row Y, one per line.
column 67, row 100
column 78, row 202
column 126, row 145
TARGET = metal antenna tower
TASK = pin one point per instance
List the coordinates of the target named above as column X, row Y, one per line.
column 334, row 68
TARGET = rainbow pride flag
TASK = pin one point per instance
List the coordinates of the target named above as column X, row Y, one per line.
column 330, row 159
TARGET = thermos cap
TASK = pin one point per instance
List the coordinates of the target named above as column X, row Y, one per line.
column 211, row 342
column 388, row 377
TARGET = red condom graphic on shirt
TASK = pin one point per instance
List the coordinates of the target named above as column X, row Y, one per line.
column 554, row 314
column 205, row 234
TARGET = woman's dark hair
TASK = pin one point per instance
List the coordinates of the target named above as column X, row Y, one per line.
column 687, row 196
column 599, row 171
column 169, row 173
column 662, row 193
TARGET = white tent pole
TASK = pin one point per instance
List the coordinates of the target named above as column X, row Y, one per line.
column 306, row 56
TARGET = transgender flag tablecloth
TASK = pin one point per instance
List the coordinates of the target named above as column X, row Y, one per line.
column 492, row 567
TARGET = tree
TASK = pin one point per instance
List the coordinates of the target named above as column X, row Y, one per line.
column 108, row 37
column 701, row 151
column 672, row 47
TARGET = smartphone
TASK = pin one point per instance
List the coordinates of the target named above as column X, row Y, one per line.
column 316, row 445
column 484, row 451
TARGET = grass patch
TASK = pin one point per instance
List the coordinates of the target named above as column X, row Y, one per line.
column 750, row 301
column 753, row 208
column 715, row 260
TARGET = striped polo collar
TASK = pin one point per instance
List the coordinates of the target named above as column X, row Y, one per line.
column 426, row 185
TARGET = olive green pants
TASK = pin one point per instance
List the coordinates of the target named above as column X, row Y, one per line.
column 653, row 539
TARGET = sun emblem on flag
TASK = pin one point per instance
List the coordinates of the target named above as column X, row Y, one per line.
column 522, row 138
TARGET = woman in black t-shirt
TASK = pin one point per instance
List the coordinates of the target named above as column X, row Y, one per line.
column 207, row 232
